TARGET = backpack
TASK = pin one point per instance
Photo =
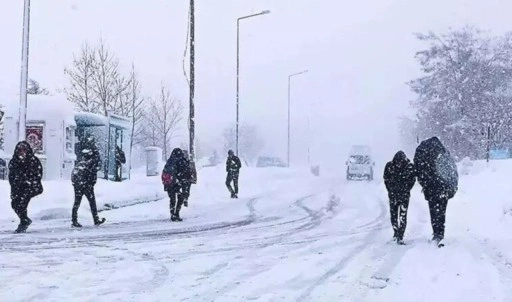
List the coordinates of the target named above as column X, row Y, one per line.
column 447, row 170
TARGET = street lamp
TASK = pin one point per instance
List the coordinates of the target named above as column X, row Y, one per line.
column 265, row 12
column 289, row 101
column 24, row 72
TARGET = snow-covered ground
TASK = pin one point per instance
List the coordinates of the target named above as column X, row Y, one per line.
column 290, row 237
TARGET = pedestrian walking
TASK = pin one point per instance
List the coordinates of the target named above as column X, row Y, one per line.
column 174, row 178
column 399, row 178
column 437, row 174
column 233, row 166
column 25, row 174
column 83, row 178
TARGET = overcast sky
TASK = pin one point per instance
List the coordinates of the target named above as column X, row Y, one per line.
column 359, row 55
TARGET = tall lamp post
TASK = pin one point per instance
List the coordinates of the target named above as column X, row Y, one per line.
column 289, row 102
column 24, row 72
column 265, row 12
column 191, row 118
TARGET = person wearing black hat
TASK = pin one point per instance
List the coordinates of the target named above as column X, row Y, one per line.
column 233, row 166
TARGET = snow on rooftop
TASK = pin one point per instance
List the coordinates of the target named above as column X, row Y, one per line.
column 43, row 107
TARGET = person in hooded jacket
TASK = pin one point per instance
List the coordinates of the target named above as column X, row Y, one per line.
column 25, row 174
column 233, row 166
column 174, row 178
column 120, row 159
column 399, row 178
column 437, row 174
column 83, row 178
column 190, row 177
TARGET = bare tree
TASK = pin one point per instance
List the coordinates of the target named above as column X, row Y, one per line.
column 109, row 83
column 161, row 120
column 35, row 88
column 80, row 75
column 134, row 102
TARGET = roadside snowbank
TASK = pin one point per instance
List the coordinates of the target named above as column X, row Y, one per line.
column 58, row 197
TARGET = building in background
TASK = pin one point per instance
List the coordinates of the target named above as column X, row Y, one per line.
column 54, row 130
column 50, row 132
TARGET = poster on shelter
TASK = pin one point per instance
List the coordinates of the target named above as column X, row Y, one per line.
column 35, row 138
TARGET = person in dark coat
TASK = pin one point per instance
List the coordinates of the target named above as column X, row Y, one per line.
column 233, row 166
column 190, row 177
column 399, row 178
column 25, row 174
column 174, row 178
column 437, row 174
column 120, row 160
column 83, row 178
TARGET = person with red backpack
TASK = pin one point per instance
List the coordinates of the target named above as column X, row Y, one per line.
column 174, row 178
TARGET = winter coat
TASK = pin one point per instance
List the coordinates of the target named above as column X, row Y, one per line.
column 120, row 157
column 189, row 171
column 436, row 169
column 176, row 171
column 399, row 174
column 85, row 173
column 233, row 164
column 25, row 174
column 93, row 148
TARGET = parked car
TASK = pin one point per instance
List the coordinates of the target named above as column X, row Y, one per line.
column 269, row 161
column 360, row 163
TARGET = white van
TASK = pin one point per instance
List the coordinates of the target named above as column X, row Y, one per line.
column 360, row 163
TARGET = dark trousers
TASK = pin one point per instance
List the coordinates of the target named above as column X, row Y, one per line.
column 19, row 204
column 176, row 198
column 117, row 176
column 232, row 178
column 88, row 191
column 437, row 205
column 398, row 205
column 186, row 190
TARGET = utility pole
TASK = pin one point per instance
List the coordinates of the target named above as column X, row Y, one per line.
column 192, row 74
column 24, row 72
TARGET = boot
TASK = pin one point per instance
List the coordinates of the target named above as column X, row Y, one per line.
column 175, row 217
column 27, row 221
column 99, row 221
column 22, row 228
column 75, row 224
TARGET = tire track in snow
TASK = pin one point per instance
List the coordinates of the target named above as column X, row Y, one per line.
column 17, row 242
column 362, row 245
column 315, row 219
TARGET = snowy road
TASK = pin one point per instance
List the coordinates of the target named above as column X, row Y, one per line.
column 324, row 240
